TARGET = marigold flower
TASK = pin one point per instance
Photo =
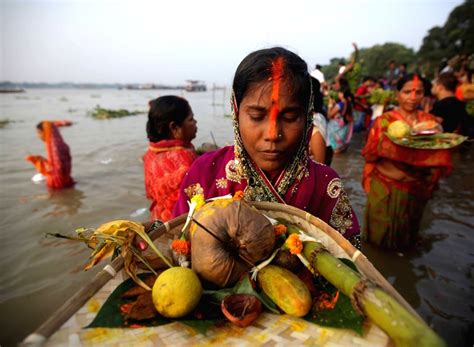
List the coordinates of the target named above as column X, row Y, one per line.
column 181, row 246
column 198, row 200
column 279, row 229
column 239, row 195
column 294, row 244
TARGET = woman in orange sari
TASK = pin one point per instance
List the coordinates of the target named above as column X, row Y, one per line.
column 399, row 180
column 170, row 128
column 57, row 167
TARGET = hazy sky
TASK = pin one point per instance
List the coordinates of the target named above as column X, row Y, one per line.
column 170, row 41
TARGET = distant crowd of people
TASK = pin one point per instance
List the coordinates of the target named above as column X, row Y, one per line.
column 347, row 111
column 283, row 117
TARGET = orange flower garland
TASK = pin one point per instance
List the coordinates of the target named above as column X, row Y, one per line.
column 181, row 246
column 279, row 229
column 294, row 244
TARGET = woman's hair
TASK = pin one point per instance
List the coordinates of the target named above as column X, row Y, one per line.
column 448, row 81
column 317, row 96
column 409, row 77
column 257, row 67
column 163, row 111
column 349, row 99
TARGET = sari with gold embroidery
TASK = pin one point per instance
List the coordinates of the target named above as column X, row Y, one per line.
column 165, row 164
column 394, row 208
column 57, row 166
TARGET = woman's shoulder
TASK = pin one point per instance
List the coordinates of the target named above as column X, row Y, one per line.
column 324, row 174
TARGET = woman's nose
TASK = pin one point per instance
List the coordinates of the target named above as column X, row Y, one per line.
column 273, row 131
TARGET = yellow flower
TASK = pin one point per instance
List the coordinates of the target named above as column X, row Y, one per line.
column 198, row 200
column 294, row 244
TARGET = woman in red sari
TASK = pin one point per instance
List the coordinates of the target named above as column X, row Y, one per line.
column 399, row 180
column 170, row 128
column 57, row 167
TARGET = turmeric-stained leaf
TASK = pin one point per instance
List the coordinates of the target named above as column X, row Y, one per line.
column 110, row 316
column 113, row 312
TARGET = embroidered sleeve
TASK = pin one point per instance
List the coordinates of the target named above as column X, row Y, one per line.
column 341, row 216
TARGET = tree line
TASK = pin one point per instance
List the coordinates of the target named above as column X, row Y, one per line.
column 455, row 38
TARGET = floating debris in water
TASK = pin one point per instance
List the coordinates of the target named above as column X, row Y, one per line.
column 106, row 161
column 38, row 178
column 138, row 212
column 4, row 123
column 104, row 113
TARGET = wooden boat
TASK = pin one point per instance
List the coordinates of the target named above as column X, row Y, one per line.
column 65, row 327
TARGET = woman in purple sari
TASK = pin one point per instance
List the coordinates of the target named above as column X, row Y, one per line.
column 272, row 118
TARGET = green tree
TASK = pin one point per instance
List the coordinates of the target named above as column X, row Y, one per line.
column 455, row 37
column 375, row 59
column 330, row 71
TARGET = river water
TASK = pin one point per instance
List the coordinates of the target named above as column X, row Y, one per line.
column 38, row 274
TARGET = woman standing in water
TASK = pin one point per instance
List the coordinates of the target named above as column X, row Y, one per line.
column 170, row 128
column 341, row 124
column 57, row 166
column 272, row 108
column 399, row 180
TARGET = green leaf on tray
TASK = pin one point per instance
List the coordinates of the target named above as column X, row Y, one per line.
column 343, row 315
column 109, row 315
column 244, row 286
column 436, row 141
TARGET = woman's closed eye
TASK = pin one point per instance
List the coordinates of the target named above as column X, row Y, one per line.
column 257, row 116
column 290, row 117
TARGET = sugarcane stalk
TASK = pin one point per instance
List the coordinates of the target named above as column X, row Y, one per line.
column 404, row 328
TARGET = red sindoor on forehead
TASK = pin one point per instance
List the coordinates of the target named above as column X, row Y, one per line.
column 416, row 82
column 277, row 73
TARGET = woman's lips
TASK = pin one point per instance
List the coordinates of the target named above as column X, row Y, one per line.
column 271, row 155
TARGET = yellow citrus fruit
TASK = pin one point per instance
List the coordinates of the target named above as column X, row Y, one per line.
column 398, row 129
column 176, row 292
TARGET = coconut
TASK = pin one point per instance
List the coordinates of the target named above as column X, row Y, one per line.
column 398, row 129
column 242, row 236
